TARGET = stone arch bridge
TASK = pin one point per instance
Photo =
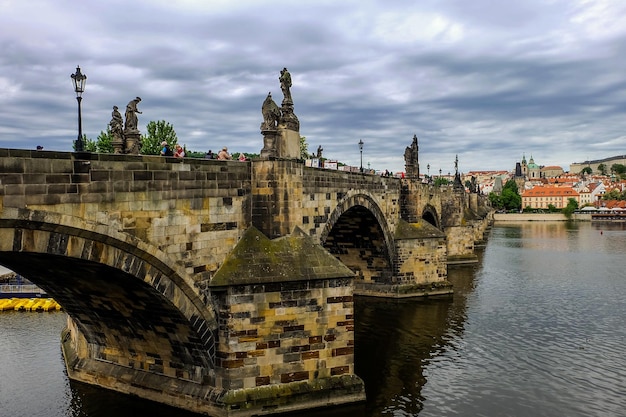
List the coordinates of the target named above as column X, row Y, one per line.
column 224, row 288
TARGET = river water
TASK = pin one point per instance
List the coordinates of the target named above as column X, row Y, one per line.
column 536, row 328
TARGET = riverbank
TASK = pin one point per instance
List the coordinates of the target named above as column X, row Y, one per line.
column 539, row 217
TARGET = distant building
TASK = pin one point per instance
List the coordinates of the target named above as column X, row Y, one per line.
column 497, row 186
column 533, row 171
column 551, row 171
column 541, row 197
column 576, row 167
column 530, row 171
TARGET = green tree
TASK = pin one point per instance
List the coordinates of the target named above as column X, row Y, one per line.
column 602, row 169
column 160, row 131
column 104, row 141
column 88, row 144
column 612, row 195
column 304, row 148
column 586, row 170
column 572, row 205
column 510, row 198
column 441, row 181
column 511, row 185
column 618, row 169
column 495, row 200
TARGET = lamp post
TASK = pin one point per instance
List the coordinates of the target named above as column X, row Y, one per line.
column 428, row 169
column 79, row 79
column 361, row 149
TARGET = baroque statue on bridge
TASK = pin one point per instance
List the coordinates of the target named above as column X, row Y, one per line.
column 116, row 123
column 131, row 115
column 128, row 141
column 411, row 156
column 117, row 130
column 280, row 127
column 285, row 85
column 271, row 113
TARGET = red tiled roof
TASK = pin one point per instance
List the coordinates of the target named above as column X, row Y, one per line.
column 550, row 192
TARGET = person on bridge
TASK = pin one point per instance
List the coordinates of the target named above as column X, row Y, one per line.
column 242, row 157
column 179, row 152
column 223, row 155
column 165, row 149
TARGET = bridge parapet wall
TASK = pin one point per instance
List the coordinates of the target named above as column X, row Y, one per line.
column 193, row 210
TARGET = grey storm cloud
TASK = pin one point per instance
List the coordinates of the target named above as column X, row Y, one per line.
column 487, row 81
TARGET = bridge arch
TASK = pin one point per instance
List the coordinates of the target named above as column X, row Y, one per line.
column 429, row 214
column 131, row 305
column 358, row 234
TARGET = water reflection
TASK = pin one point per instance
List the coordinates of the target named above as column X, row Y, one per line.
column 90, row 401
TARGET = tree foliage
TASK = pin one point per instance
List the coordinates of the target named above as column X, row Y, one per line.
column 586, row 170
column 572, row 205
column 614, row 194
column 441, row 181
column 619, row 170
column 602, row 169
column 104, row 141
column 160, row 131
column 509, row 199
column 88, row 144
column 304, row 148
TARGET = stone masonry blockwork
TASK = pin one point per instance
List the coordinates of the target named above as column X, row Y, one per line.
column 277, row 333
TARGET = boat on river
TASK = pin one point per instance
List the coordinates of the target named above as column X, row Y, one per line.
column 19, row 294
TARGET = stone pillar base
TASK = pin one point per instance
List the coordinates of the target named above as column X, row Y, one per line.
column 203, row 398
column 118, row 145
column 133, row 142
column 288, row 144
column 269, row 144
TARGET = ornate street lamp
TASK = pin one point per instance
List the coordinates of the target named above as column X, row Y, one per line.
column 428, row 168
column 361, row 149
column 79, row 79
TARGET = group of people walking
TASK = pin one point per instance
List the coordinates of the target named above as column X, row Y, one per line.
column 223, row 155
column 179, row 152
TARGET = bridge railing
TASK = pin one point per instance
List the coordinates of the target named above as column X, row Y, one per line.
column 17, row 289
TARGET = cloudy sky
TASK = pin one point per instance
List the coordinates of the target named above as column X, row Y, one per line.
column 487, row 80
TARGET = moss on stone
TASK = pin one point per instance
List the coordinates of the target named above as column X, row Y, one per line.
column 274, row 393
column 257, row 259
column 419, row 230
